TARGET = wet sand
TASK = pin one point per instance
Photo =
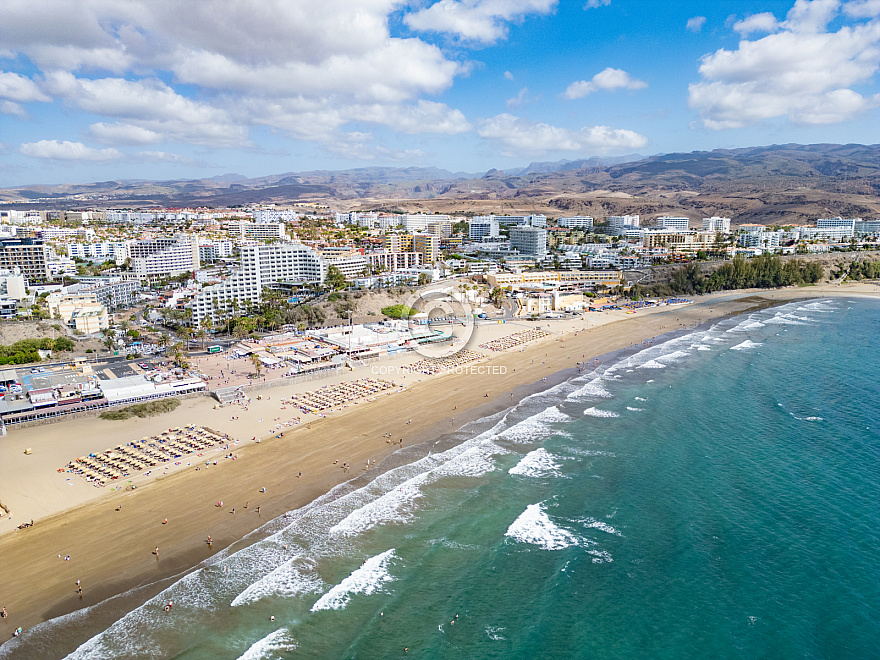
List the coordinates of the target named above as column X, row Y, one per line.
column 112, row 551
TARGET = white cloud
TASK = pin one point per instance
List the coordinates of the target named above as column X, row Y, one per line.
column 291, row 61
column 160, row 113
column 593, row 4
column 765, row 22
column 482, row 21
column 520, row 137
column 508, row 75
column 607, row 79
column 695, row 24
column 63, row 150
column 801, row 72
column 863, row 8
column 12, row 108
column 521, row 98
column 18, row 88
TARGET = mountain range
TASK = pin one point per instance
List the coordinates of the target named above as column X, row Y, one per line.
column 777, row 184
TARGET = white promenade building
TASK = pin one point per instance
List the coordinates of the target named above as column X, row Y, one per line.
column 261, row 266
column 482, row 227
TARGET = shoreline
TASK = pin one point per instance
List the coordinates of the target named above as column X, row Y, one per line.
column 119, row 546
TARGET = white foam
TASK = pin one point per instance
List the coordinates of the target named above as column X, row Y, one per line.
column 533, row 526
column 672, row 357
column 494, row 633
column 652, row 364
column 703, row 347
column 744, row 346
column 595, row 412
column 538, row 463
column 295, row 578
column 593, row 389
column 592, row 523
column 535, row 427
column 276, row 644
column 394, row 505
column 635, row 409
column 746, row 325
column 366, row 580
column 638, row 398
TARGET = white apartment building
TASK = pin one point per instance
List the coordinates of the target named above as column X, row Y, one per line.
column 761, row 238
column 867, row 227
column 264, row 230
column 163, row 256
column 351, row 264
column 13, row 284
column 481, row 227
column 118, row 251
column 441, row 228
column 717, row 224
column 394, row 261
column 576, row 222
column 530, row 241
column 51, row 233
column 669, row 222
column 262, row 216
column 846, row 225
column 261, row 266
column 623, row 221
column 678, row 241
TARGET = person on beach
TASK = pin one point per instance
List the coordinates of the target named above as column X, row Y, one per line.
column 210, row 542
column 3, row 613
column 156, row 552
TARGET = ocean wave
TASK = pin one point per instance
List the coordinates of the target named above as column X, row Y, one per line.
column 672, row 357
column 494, row 633
column 295, row 578
column 638, row 398
column 595, row 412
column 538, row 463
column 592, row 523
column 533, row 526
column 279, row 641
column 631, row 409
column 366, row 580
column 821, row 306
column 744, row 346
column 652, row 364
column 746, row 325
column 398, row 503
column 534, row 427
column 593, row 389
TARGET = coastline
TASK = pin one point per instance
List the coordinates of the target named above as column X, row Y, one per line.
column 119, row 544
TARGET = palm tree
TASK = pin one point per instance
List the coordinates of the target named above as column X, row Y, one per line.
column 257, row 364
column 201, row 334
column 163, row 341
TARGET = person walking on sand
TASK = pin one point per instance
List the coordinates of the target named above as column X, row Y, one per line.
column 156, row 552
column 210, row 542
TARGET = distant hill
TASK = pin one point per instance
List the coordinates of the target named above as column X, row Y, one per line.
column 777, row 184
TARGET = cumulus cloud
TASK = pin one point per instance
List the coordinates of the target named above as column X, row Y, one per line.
column 18, row 88
column 765, row 22
column 520, row 137
column 483, row 21
column 283, row 59
column 801, row 72
column 607, row 79
column 863, row 8
column 696, row 23
column 521, row 98
column 593, row 4
column 64, row 150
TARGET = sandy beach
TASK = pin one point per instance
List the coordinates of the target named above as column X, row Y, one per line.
column 112, row 549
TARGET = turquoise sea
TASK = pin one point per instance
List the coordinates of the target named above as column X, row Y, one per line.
column 714, row 495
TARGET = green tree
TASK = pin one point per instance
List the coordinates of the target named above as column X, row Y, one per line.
column 335, row 279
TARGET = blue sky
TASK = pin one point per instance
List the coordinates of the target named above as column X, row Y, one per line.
column 92, row 90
